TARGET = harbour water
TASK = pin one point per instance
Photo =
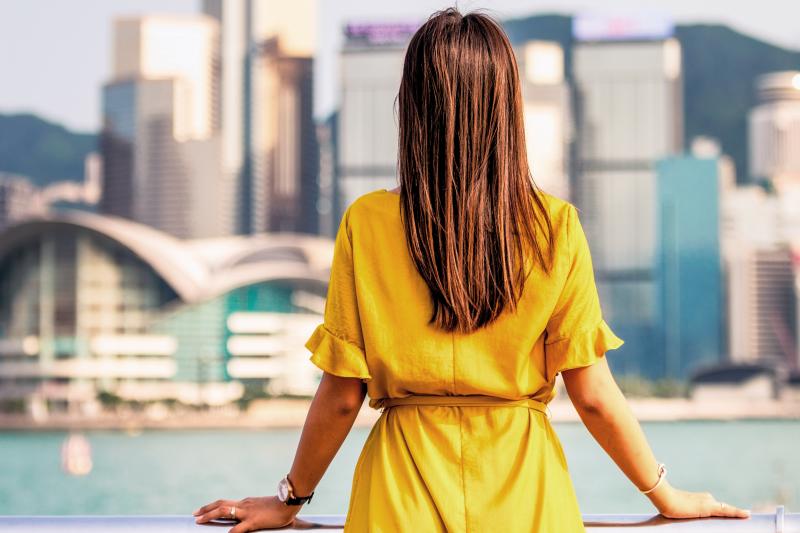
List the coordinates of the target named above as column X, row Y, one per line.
column 746, row 463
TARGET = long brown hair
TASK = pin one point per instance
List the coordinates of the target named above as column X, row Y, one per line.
column 469, row 205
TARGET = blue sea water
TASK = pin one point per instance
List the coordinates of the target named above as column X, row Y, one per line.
column 745, row 463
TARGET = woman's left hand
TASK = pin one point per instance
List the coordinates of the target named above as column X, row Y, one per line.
column 253, row 513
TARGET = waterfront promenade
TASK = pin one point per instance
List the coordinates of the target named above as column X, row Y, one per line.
column 290, row 413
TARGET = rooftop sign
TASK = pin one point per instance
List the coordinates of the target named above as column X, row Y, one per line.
column 381, row 33
column 605, row 27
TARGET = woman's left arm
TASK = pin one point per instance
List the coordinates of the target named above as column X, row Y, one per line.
column 329, row 420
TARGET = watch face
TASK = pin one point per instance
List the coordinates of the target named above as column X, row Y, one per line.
column 283, row 490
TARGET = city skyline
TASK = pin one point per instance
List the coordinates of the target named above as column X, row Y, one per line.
column 77, row 105
column 152, row 295
column 626, row 86
column 224, row 240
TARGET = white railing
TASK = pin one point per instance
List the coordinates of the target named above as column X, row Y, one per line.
column 778, row 522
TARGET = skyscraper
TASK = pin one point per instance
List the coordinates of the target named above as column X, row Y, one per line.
column 760, row 229
column 284, row 149
column 371, row 69
column 327, row 200
column 630, row 99
column 231, row 103
column 763, row 231
column 266, row 104
column 548, row 120
column 160, row 133
column 689, row 272
column 629, row 107
column 796, row 268
column 762, row 305
column 774, row 128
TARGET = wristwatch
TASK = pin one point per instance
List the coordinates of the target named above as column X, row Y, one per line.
column 286, row 493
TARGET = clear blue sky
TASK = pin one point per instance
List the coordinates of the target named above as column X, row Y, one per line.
column 54, row 54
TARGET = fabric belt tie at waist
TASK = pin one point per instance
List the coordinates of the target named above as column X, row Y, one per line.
column 480, row 400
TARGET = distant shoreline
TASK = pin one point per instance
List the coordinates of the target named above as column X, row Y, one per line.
column 291, row 413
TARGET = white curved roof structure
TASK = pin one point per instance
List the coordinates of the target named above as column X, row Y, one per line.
column 195, row 269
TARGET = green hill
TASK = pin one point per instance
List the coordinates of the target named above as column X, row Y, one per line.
column 720, row 69
column 41, row 150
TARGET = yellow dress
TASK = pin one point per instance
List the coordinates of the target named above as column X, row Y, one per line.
column 457, row 468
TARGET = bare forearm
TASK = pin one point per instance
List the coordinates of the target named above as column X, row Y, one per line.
column 607, row 416
column 327, row 424
column 330, row 417
column 616, row 429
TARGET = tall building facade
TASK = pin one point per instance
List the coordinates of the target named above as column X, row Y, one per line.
column 269, row 142
column 774, row 128
column 688, row 265
column 328, row 199
column 629, row 109
column 160, row 138
column 763, row 305
column 760, row 232
column 548, row 116
column 796, row 268
column 285, row 150
column 117, row 140
column 232, row 102
column 371, row 68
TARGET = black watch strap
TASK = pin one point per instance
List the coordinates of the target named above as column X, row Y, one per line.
column 297, row 500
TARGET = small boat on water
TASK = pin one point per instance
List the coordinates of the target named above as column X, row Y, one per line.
column 76, row 455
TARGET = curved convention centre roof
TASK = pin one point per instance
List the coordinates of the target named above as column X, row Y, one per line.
column 195, row 269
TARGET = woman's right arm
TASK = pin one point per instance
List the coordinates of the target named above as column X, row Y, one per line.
column 606, row 414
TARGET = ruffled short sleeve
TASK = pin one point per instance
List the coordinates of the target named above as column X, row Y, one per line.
column 576, row 334
column 337, row 345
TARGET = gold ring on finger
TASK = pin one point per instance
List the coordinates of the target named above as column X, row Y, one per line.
column 233, row 512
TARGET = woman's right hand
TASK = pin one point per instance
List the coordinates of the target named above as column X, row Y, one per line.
column 608, row 417
column 676, row 503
